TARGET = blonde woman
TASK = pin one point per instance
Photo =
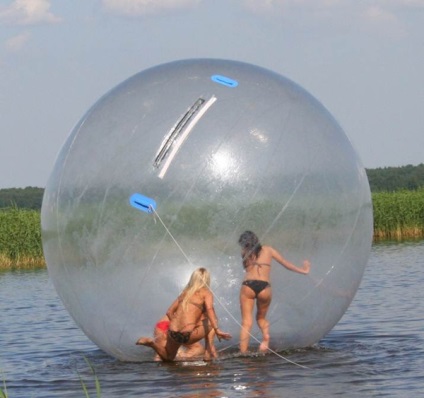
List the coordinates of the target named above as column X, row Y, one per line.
column 185, row 320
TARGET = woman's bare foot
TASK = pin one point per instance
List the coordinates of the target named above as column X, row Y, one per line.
column 264, row 346
column 147, row 341
column 210, row 355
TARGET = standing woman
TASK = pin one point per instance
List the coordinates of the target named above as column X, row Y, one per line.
column 186, row 320
column 256, row 285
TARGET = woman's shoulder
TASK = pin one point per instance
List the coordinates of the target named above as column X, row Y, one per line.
column 204, row 292
column 267, row 249
column 266, row 254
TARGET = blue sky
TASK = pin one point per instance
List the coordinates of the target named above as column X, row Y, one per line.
column 364, row 60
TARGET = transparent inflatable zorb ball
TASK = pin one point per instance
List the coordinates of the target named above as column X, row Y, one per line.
column 164, row 173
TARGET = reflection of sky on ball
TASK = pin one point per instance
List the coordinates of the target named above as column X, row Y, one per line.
column 258, row 153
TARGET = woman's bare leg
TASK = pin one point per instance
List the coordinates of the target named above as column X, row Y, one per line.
column 190, row 351
column 262, row 302
column 210, row 350
column 167, row 349
column 247, row 301
column 203, row 330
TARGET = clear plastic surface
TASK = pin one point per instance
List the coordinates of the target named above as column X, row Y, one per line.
column 216, row 147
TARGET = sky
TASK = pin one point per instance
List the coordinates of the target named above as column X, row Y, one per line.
column 362, row 59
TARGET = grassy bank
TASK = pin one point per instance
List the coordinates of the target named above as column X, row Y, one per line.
column 20, row 239
column 397, row 216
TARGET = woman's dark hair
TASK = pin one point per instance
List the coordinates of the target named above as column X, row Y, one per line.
column 250, row 243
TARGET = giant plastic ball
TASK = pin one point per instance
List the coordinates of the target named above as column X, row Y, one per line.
column 164, row 173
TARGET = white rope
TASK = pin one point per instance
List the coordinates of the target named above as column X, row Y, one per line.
column 217, row 298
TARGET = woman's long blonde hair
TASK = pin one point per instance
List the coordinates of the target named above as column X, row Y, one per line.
column 199, row 279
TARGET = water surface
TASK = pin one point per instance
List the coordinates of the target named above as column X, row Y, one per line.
column 377, row 349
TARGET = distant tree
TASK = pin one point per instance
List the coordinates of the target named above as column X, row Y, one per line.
column 26, row 198
column 390, row 179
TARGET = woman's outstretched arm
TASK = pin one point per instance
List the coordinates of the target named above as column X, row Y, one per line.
column 290, row 266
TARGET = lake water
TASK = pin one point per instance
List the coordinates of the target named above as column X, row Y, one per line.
column 376, row 350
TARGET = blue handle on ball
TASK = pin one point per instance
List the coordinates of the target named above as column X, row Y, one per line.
column 226, row 81
column 142, row 203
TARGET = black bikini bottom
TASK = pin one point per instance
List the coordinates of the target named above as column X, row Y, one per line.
column 256, row 285
column 179, row 337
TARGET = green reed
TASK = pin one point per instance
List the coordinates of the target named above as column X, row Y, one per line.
column 3, row 393
column 398, row 215
column 96, row 381
column 20, row 238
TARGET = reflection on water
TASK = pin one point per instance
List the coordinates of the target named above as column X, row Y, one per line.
column 377, row 349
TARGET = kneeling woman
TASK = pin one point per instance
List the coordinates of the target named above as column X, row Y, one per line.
column 185, row 315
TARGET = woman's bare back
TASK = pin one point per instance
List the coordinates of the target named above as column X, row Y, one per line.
column 186, row 319
column 259, row 268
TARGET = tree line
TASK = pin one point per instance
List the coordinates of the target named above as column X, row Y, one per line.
column 26, row 198
column 391, row 179
column 387, row 179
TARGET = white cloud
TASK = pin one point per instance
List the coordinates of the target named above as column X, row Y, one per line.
column 382, row 17
column 28, row 12
column 383, row 21
column 17, row 42
column 403, row 3
column 320, row 4
column 378, row 14
column 284, row 5
column 146, row 7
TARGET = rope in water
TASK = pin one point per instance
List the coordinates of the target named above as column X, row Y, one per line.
column 216, row 297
